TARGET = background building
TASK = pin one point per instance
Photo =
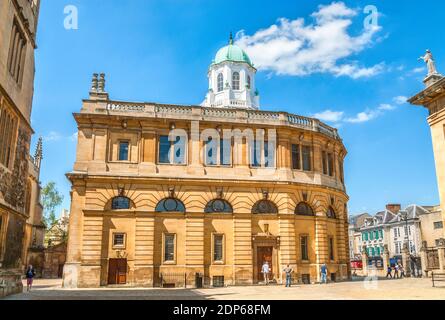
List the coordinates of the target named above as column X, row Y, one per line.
column 149, row 211
column 417, row 226
column 19, row 210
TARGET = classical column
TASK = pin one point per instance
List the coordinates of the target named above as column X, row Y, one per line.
column 441, row 252
column 365, row 261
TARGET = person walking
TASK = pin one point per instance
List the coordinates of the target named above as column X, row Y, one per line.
column 396, row 271
column 30, row 274
column 402, row 271
column 265, row 269
column 288, row 271
column 389, row 272
column 324, row 273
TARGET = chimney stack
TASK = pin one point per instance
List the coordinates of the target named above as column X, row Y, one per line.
column 394, row 208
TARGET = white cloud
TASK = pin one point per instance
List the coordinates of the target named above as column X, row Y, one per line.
column 364, row 116
column 329, row 116
column 418, row 70
column 52, row 136
column 386, row 107
column 400, row 99
column 293, row 47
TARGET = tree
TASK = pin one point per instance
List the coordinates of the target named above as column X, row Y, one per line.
column 51, row 199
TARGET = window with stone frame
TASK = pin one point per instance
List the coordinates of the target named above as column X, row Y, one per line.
column 264, row 207
column 172, row 152
column 218, row 247
column 327, row 163
column 262, row 154
column 306, row 151
column 17, row 53
column 220, row 82
column 236, row 81
column 124, row 151
column 218, row 155
column 169, row 247
column 438, row 225
column 119, row 240
column 120, row 203
column 8, row 132
column 296, row 157
column 304, row 247
column 303, row 209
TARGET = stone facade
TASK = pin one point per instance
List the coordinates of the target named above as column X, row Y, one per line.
column 98, row 177
column 17, row 187
column 433, row 98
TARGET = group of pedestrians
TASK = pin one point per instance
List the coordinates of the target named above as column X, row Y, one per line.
column 288, row 271
column 395, row 272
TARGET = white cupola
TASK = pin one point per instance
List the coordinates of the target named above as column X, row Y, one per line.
column 232, row 80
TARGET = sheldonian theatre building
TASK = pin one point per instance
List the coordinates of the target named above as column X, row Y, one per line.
column 175, row 195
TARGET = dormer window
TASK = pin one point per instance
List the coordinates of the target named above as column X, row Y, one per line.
column 248, row 82
column 235, row 81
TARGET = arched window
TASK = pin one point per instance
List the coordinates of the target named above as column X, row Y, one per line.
column 331, row 213
column 218, row 206
column 170, row 205
column 220, row 82
column 248, row 82
column 235, row 81
column 264, row 207
column 303, row 209
column 120, row 203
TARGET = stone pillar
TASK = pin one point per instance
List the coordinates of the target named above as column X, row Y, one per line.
column 441, row 252
column 365, row 261
column 424, row 259
column 406, row 261
column 385, row 258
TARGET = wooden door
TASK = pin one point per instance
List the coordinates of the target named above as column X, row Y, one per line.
column 264, row 254
column 117, row 271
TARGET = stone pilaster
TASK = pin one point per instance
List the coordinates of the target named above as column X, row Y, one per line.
column 321, row 247
column 406, row 259
column 71, row 270
column 424, row 259
column 441, row 252
column 365, row 261
column 144, row 249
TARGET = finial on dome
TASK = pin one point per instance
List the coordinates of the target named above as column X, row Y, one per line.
column 231, row 38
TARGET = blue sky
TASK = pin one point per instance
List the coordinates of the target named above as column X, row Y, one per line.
column 351, row 77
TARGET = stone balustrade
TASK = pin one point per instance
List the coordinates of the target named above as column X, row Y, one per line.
column 225, row 114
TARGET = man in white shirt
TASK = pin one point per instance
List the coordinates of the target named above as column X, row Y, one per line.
column 266, row 270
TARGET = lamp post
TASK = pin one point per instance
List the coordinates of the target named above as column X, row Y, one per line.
column 405, row 251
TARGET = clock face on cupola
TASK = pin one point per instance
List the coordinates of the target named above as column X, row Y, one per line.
column 232, row 80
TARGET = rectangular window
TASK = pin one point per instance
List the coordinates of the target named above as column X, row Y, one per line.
column 307, row 163
column 164, row 149
column 381, row 234
column 324, row 162
column 172, row 152
column 218, row 247
column 438, row 225
column 8, row 128
column 331, row 249
column 17, row 53
column 169, row 248
column 371, row 235
column 119, row 240
column 304, row 248
column 296, row 157
column 330, row 164
column 225, row 151
column 124, row 150
column 260, row 156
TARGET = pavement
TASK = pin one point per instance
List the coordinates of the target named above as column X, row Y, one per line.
column 404, row 289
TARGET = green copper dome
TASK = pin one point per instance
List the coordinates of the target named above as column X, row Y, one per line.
column 232, row 53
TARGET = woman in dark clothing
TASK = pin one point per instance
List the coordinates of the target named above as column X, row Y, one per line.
column 30, row 274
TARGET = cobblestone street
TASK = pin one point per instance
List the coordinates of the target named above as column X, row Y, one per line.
column 419, row 289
